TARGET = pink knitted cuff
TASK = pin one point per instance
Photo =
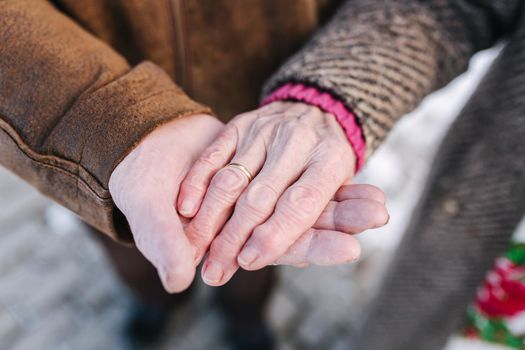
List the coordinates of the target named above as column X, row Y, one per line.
column 328, row 104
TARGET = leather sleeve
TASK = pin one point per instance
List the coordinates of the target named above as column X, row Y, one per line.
column 381, row 58
column 71, row 109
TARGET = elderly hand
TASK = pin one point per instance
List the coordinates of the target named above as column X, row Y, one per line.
column 145, row 185
column 355, row 208
column 299, row 156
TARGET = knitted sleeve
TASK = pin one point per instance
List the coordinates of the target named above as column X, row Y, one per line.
column 381, row 58
column 327, row 103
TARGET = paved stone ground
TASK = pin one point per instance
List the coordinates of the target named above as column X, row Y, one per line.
column 57, row 292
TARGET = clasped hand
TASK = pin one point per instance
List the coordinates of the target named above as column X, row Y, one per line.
column 184, row 201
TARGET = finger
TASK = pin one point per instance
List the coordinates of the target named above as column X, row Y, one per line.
column 323, row 248
column 296, row 211
column 289, row 153
column 214, row 158
column 352, row 216
column 255, row 206
column 314, row 247
column 328, row 242
column 160, row 237
column 347, row 217
column 363, row 191
column 221, row 196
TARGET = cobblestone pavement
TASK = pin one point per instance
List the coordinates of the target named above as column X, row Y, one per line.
column 57, row 292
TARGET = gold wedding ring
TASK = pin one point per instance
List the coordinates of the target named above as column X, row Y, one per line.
column 243, row 169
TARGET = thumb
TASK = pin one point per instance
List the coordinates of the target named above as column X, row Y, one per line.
column 160, row 237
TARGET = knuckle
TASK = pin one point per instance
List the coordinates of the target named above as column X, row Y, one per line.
column 225, row 246
column 208, row 161
column 193, row 183
column 214, row 156
column 251, row 211
column 259, row 198
column 200, row 231
column 228, row 183
column 301, row 201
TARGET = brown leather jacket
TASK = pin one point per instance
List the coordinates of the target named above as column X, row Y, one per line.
column 82, row 82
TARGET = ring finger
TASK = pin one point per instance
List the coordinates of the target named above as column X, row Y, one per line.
column 225, row 188
column 254, row 207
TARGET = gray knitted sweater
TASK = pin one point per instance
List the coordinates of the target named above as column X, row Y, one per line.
column 381, row 58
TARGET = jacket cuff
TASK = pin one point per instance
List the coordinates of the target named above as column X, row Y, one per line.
column 328, row 104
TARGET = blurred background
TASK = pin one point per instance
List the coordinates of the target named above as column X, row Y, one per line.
column 58, row 291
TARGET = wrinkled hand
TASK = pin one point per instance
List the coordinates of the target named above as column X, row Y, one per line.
column 145, row 186
column 300, row 157
column 355, row 208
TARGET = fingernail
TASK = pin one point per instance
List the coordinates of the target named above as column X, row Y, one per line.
column 213, row 273
column 247, row 256
column 187, row 207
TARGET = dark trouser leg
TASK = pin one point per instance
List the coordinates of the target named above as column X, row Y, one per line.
column 148, row 317
column 474, row 200
column 245, row 297
column 138, row 274
column 243, row 301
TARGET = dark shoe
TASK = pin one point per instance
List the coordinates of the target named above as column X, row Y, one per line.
column 144, row 326
column 243, row 301
column 259, row 337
